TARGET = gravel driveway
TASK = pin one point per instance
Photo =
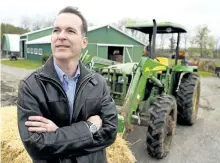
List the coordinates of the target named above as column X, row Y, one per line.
column 10, row 77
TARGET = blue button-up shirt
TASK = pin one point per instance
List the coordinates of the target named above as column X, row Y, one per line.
column 69, row 85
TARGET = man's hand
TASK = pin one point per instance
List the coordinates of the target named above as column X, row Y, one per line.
column 40, row 124
column 96, row 120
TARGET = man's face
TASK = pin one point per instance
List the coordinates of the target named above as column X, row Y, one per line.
column 67, row 39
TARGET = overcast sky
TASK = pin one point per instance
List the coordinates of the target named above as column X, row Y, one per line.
column 190, row 13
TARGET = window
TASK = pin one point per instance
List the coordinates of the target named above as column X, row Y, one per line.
column 35, row 50
column 28, row 50
column 32, row 50
column 40, row 51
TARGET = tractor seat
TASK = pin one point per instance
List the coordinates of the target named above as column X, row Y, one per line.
column 163, row 60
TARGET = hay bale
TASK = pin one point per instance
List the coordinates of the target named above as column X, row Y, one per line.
column 11, row 145
column 12, row 149
column 14, row 152
column 120, row 152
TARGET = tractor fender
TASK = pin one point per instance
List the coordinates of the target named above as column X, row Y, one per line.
column 180, row 78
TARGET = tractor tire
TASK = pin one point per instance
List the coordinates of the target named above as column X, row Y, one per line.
column 161, row 128
column 187, row 97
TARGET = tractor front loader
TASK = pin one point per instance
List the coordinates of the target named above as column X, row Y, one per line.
column 154, row 94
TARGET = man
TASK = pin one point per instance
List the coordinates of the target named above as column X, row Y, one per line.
column 65, row 112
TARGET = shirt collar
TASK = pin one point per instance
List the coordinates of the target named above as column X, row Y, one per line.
column 61, row 74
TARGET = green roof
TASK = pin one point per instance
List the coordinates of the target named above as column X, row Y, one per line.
column 162, row 27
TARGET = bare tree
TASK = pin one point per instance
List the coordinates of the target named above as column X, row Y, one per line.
column 37, row 24
column 201, row 38
column 130, row 22
column 172, row 44
column 90, row 24
column 25, row 22
column 217, row 46
column 49, row 22
column 185, row 39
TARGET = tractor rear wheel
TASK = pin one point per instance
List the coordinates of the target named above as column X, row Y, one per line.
column 188, row 99
column 161, row 128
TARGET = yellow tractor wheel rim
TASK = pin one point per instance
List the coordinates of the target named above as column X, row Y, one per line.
column 195, row 102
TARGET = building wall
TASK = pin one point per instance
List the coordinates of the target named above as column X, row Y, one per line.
column 4, row 47
column 23, row 37
column 23, row 52
column 10, row 44
column 4, row 44
column 46, row 50
column 112, row 36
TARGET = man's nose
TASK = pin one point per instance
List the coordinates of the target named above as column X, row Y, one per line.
column 62, row 35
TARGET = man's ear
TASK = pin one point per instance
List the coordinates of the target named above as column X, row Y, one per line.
column 85, row 42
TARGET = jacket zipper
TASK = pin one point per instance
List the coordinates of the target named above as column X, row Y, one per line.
column 81, row 86
column 49, row 79
column 82, row 83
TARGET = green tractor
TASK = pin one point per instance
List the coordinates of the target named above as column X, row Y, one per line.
column 154, row 94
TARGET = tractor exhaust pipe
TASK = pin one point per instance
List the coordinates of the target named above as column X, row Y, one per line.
column 153, row 55
column 177, row 49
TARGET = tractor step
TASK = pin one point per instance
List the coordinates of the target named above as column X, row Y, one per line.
column 136, row 119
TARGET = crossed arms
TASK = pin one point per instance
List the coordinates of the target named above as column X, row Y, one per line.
column 69, row 141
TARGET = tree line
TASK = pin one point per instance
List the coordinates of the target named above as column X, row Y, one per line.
column 11, row 29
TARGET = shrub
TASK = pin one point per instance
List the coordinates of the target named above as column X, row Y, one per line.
column 45, row 58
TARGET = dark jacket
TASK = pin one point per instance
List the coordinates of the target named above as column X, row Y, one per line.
column 41, row 93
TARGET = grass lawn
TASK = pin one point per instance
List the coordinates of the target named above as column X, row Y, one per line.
column 217, row 64
column 22, row 63
column 205, row 74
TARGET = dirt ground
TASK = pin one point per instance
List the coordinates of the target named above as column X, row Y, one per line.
column 196, row 144
column 10, row 77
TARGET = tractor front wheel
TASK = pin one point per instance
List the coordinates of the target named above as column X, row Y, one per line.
column 188, row 99
column 161, row 128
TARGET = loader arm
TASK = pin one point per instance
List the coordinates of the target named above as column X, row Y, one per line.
column 130, row 103
column 145, row 74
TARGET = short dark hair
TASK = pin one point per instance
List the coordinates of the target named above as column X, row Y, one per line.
column 74, row 10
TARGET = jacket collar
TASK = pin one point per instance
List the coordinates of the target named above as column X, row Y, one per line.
column 49, row 70
column 62, row 75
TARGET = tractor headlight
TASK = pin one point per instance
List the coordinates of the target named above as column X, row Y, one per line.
column 168, row 30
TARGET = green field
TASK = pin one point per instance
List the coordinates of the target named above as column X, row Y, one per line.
column 205, row 74
column 22, row 63
column 217, row 64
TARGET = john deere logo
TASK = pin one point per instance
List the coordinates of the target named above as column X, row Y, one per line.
column 157, row 68
column 147, row 69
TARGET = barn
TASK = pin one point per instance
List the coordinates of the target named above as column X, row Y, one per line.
column 10, row 44
column 104, row 41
